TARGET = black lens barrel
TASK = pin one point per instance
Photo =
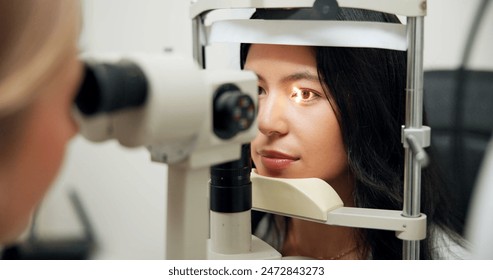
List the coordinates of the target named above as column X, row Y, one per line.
column 110, row 87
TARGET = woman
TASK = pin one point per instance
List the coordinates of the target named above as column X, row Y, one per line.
column 39, row 75
column 336, row 114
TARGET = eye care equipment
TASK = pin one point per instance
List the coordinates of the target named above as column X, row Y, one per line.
column 199, row 120
column 313, row 199
column 188, row 118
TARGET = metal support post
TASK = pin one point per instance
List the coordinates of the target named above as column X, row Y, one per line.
column 414, row 120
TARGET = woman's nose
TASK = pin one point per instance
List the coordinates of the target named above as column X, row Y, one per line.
column 272, row 115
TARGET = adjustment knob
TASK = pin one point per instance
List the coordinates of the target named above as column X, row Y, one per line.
column 233, row 112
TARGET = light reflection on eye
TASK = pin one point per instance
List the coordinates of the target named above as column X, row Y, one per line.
column 303, row 95
column 297, row 94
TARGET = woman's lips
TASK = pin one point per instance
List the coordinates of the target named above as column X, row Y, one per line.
column 274, row 160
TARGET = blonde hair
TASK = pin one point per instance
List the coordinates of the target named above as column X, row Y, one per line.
column 35, row 36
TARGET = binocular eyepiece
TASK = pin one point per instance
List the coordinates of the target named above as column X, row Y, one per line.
column 110, row 87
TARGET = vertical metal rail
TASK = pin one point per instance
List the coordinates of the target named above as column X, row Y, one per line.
column 414, row 119
column 197, row 41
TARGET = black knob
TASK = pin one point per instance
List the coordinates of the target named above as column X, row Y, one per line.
column 234, row 111
column 327, row 9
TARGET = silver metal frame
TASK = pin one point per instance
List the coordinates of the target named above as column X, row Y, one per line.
column 414, row 120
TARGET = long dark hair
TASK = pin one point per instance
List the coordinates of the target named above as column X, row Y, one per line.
column 367, row 88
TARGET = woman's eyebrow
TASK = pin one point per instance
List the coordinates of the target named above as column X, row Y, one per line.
column 305, row 75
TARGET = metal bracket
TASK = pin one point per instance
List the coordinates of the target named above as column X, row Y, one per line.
column 417, row 139
column 421, row 136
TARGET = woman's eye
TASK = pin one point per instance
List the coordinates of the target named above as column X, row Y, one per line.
column 304, row 95
column 261, row 91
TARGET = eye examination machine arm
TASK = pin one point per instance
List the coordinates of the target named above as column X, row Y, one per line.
column 187, row 117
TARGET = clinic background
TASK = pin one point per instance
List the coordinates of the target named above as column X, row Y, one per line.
column 121, row 190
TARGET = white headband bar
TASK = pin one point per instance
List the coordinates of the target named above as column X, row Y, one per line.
column 310, row 33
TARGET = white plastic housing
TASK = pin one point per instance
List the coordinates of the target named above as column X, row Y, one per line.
column 176, row 120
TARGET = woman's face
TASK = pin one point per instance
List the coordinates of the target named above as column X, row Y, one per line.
column 299, row 135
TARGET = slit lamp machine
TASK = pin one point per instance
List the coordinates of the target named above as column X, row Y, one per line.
column 198, row 120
